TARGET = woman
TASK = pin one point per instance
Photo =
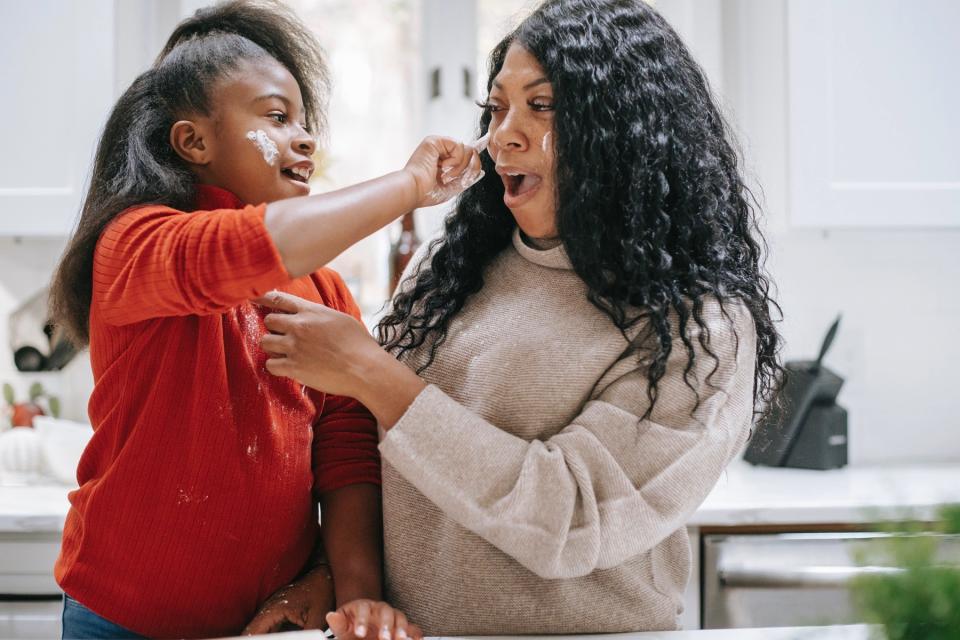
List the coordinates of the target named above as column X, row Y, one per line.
column 579, row 355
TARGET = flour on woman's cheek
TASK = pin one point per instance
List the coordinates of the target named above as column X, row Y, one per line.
column 265, row 144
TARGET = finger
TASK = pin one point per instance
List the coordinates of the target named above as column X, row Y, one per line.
column 338, row 623
column 313, row 616
column 454, row 164
column 361, row 619
column 480, row 145
column 281, row 301
column 279, row 322
column 267, row 621
column 281, row 367
column 400, row 626
column 276, row 345
column 414, row 631
column 385, row 619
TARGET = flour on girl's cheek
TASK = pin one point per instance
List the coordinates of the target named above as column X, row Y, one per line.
column 545, row 145
column 265, row 144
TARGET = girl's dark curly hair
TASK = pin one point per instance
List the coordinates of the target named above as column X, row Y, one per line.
column 651, row 207
column 135, row 163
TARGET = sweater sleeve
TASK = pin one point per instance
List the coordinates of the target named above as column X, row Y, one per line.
column 345, row 434
column 608, row 486
column 157, row 262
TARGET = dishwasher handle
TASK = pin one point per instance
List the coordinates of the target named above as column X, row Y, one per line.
column 825, row 577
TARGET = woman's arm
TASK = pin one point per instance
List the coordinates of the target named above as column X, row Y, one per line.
column 608, row 486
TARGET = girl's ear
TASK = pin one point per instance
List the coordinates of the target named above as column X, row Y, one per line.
column 188, row 139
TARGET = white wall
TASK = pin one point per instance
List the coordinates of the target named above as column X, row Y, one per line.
column 898, row 345
column 27, row 264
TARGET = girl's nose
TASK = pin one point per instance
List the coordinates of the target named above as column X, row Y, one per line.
column 305, row 143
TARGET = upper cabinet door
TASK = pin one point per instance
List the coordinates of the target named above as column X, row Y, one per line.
column 874, row 138
column 57, row 83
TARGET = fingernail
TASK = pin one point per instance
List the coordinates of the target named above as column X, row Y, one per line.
column 446, row 170
column 361, row 630
column 385, row 633
column 401, row 634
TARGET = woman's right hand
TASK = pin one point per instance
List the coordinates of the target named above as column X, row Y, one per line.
column 443, row 168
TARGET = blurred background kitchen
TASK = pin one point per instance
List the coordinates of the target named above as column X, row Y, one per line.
column 846, row 114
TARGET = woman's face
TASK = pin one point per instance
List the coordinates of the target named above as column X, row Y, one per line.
column 521, row 141
column 256, row 141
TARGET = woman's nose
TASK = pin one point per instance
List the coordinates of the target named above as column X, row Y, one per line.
column 509, row 135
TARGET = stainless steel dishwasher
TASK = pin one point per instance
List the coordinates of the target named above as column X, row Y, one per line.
column 30, row 600
column 787, row 579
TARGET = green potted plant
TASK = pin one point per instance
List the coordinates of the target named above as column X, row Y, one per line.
column 920, row 601
column 23, row 413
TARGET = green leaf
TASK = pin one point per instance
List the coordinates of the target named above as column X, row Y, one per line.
column 54, row 403
column 36, row 390
column 8, row 394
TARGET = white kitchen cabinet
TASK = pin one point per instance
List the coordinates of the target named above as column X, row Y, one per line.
column 873, row 138
column 57, row 78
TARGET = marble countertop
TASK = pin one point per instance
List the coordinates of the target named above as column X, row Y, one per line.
column 832, row 632
column 745, row 495
column 749, row 495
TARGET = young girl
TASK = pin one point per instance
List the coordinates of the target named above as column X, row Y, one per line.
column 198, row 491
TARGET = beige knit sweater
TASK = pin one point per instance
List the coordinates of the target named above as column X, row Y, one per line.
column 522, row 492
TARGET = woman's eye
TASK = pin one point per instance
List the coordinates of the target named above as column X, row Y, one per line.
column 541, row 106
column 489, row 106
column 279, row 117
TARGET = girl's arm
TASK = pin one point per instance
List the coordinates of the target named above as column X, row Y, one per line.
column 352, row 537
column 156, row 262
column 311, row 231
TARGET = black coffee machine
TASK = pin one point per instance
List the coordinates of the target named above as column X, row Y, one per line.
column 806, row 429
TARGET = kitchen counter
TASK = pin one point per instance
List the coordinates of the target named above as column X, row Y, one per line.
column 745, row 495
column 749, row 495
column 833, row 632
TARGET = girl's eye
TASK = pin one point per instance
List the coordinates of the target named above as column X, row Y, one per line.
column 279, row 117
column 541, row 106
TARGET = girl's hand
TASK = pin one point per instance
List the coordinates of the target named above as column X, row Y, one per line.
column 372, row 620
column 303, row 604
column 316, row 345
column 443, row 168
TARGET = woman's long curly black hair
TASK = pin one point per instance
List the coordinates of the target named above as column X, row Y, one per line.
column 651, row 207
column 135, row 163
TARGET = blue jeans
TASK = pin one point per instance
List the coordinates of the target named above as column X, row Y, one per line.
column 79, row 623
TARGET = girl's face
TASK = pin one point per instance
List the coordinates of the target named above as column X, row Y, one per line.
column 254, row 143
column 521, row 141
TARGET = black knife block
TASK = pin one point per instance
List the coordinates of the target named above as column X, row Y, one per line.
column 806, row 428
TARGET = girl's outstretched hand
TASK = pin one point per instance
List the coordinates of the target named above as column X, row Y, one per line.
column 444, row 168
column 371, row 620
column 302, row 604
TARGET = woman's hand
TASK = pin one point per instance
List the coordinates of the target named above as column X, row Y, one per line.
column 332, row 352
column 443, row 168
column 373, row 620
column 302, row 604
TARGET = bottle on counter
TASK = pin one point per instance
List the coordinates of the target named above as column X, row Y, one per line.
column 402, row 250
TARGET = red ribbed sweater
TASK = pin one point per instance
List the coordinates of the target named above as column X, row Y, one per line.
column 198, row 490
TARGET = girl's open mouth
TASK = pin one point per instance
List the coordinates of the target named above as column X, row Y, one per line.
column 297, row 174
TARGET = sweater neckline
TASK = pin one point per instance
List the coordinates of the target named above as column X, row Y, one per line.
column 210, row 198
column 555, row 258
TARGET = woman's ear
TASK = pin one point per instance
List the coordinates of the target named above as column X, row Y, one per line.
column 188, row 139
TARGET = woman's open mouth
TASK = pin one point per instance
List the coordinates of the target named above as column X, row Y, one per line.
column 519, row 187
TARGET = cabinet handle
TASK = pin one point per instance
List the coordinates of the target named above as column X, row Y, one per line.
column 823, row 577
